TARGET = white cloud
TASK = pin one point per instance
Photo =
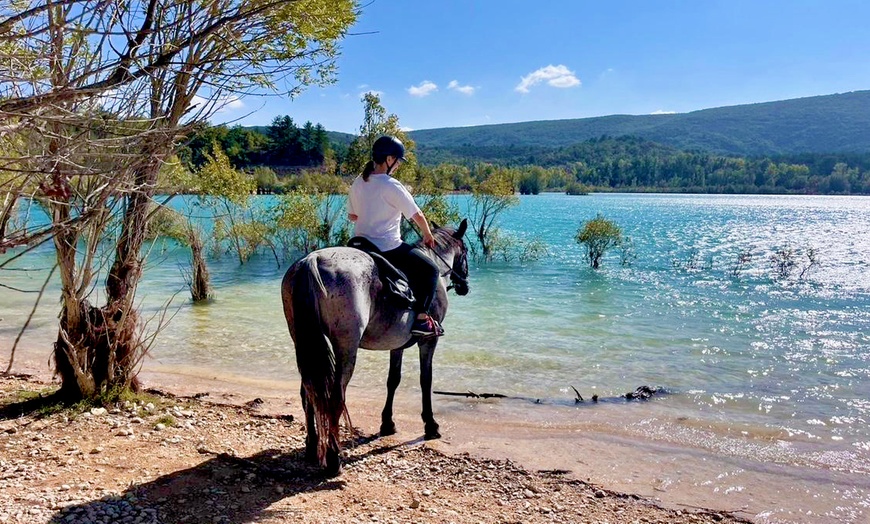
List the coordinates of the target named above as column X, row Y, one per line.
column 233, row 103
column 465, row 90
column 663, row 112
column 425, row 88
column 555, row 76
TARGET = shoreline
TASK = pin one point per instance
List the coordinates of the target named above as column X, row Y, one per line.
column 178, row 459
column 588, row 450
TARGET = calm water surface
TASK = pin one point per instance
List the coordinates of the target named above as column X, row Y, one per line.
column 749, row 354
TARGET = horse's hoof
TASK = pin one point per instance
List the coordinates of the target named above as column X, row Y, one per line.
column 388, row 429
column 333, row 465
column 431, row 432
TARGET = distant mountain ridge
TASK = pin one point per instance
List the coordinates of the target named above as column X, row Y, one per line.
column 838, row 123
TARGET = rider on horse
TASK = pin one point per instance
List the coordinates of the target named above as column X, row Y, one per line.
column 376, row 204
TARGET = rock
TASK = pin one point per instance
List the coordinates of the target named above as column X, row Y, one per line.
column 98, row 411
column 415, row 504
column 96, row 450
column 160, row 427
column 13, row 430
column 599, row 494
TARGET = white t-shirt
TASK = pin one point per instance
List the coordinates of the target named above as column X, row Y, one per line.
column 379, row 205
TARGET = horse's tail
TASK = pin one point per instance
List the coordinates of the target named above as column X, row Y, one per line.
column 315, row 356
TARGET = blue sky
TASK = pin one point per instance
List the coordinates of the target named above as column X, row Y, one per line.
column 451, row 63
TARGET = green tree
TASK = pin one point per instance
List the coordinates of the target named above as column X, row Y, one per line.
column 110, row 92
column 376, row 123
column 598, row 235
column 227, row 191
column 306, row 221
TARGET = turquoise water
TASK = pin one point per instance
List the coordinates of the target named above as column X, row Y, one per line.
column 751, row 353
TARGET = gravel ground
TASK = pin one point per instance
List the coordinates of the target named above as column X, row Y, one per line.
column 165, row 459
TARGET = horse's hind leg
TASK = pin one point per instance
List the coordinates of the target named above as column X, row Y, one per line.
column 427, row 352
column 310, row 429
column 388, row 427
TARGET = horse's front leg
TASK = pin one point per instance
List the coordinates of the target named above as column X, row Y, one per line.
column 388, row 427
column 427, row 352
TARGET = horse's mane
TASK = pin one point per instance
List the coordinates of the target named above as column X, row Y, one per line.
column 443, row 237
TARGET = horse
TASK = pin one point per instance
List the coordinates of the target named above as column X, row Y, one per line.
column 335, row 303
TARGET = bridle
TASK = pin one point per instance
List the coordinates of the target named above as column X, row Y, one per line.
column 455, row 277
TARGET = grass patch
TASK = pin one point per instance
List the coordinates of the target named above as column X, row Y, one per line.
column 24, row 395
column 167, row 420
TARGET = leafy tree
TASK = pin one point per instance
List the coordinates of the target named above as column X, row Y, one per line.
column 305, row 221
column 100, row 113
column 533, row 180
column 265, row 178
column 598, row 236
column 377, row 123
column 576, row 188
column 237, row 226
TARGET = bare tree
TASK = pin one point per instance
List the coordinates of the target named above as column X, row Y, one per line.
column 489, row 199
column 94, row 96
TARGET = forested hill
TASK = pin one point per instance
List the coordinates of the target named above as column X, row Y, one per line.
column 821, row 124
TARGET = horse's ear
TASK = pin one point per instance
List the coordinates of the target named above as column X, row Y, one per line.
column 462, row 227
column 434, row 225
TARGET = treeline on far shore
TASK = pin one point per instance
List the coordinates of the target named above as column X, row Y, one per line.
column 285, row 157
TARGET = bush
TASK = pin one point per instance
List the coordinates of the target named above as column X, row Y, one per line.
column 598, row 235
column 576, row 188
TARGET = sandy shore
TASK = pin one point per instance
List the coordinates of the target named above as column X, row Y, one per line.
column 234, row 455
column 619, row 477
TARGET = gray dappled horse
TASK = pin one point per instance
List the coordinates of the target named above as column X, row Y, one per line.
column 334, row 304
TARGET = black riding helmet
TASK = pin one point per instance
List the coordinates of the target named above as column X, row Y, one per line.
column 387, row 146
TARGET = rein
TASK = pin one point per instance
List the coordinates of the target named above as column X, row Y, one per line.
column 454, row 276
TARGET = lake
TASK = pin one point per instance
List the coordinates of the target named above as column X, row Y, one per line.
column 740, row 350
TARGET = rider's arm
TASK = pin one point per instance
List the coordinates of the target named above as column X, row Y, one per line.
column 423, row 224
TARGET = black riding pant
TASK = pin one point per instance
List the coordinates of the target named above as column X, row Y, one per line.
column 422, row 273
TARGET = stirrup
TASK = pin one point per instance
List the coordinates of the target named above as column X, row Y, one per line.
column 427, row 328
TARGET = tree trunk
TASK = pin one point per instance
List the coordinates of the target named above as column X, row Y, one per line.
column 199, row 281
column 100, row 348
column 121, row 318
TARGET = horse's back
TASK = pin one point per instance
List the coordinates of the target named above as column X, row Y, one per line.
column 348, row 288
column 350, row 301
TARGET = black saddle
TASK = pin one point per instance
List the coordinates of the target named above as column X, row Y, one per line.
column 396, row 285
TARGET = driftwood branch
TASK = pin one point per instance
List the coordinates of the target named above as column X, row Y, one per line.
column 470, row 394
column 641, row 393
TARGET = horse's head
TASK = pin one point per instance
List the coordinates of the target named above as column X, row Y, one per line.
column 453, row 252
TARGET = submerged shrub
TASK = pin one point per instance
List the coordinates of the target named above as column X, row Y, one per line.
column 598, row 236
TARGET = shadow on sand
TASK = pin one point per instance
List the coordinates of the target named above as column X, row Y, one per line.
column 223, row 489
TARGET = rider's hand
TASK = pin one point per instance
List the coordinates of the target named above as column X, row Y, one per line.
column 429, row 241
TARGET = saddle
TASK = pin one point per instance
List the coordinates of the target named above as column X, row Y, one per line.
column 395, row 282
